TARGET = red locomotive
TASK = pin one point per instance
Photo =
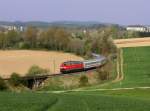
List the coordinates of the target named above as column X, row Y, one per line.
column 70, row 66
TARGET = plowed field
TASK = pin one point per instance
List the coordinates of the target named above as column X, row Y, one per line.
column 21, row 60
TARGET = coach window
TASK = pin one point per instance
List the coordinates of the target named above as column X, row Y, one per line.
column 66, row 63
column 72, row 63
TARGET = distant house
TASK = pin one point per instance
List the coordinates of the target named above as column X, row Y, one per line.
column 8, row 28
column 2, row 29
column 148, row 28
column 138, row 28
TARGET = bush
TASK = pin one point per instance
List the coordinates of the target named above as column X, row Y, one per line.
column 102, row 75
column 36, row 70
column 83, row 80
column 15, row 79
column 23, row 45
column 2, row 84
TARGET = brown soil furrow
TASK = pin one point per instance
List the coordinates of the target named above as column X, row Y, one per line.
column 21, row 60
column 136, row 42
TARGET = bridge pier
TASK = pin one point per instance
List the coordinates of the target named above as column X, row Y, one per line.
column 34, row 83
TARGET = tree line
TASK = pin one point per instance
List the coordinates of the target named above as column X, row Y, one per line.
column 59, row 39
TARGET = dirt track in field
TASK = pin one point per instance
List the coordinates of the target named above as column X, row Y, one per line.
column 21, row 61
column 134, row 42
column 123, row 43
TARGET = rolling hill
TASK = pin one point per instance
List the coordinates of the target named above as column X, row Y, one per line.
column 136, row 70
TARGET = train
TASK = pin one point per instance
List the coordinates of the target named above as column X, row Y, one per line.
column 71, row 66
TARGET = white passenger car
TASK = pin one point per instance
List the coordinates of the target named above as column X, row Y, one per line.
column 94, row 63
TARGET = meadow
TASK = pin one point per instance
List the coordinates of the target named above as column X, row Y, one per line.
column 25, row 101
column 80, row 101
column 136, row 67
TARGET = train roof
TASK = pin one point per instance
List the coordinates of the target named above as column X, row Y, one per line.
column 99, row 59
column 71, row 61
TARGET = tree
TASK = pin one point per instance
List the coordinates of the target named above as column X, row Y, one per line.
column 102, row 74
column 12, row 38
column 76, row 46
column 61, row 39
column 3, row 40
column 46, row 39
column 83, row 80
column 102, row 42
column 15, row 79
column 30, row 36
column 88, row 45
column 54, row 38
column 2, row 84
column 36, row 70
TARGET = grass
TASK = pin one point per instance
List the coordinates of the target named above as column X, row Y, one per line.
column 136, row 67
column 92, row 102
column 136, row 93
column 80, row 101
column 25, row 101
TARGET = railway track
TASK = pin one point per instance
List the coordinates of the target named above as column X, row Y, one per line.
column 36, row 81
column 54, row 75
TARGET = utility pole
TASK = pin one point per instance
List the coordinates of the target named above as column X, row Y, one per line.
column 54, row 65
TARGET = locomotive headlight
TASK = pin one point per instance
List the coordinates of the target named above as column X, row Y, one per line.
column 63, row 67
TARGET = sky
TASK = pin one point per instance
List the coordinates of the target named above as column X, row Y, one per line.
column 123, row 12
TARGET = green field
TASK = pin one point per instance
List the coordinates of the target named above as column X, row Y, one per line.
column 136, row 67
column 80, row 101
column 26, row 101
